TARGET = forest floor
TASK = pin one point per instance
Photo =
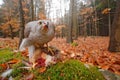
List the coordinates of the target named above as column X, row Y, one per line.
column 90, row 50
column 93, row 50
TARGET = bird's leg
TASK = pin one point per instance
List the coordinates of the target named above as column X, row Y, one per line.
column 49, row 49
column 31, row 51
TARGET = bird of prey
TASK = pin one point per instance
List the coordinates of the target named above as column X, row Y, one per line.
column 37, row 33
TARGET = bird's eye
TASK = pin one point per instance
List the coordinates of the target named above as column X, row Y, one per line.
column 40, row 23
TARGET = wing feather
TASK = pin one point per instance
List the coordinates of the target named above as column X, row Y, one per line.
column 27, row 31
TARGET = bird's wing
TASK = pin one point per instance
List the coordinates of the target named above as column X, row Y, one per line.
column 27, row 30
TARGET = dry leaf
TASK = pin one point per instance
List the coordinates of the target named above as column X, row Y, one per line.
column 106, row 11
column 4, row 66
column 106, row 67
column 42, row 69
column 13, row 61
column 29, row 77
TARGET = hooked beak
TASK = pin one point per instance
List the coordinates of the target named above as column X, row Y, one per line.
column 45, row 28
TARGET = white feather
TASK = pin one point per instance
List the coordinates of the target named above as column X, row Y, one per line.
column 10, row 78
column 6, row 73
column 49, row 60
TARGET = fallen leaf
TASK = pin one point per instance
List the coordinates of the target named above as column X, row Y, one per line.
column 25, row 53
column 106, row 67
column 13, row 61
column 29, row 77
column 4, row 66
column 42, row 69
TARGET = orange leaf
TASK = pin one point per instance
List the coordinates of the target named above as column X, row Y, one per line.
column 13, row 61
column 43, row 69
column 30, row 77
column 106, row 11
column 106, row 67
column 4, row 66
column 25, row 53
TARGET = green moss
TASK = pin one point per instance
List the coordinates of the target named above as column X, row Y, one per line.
column 95, row 71
column 18, row 77
column 74, row 44
column 15, row 66
column 71, row 70
column 1, row 69
column 5, row 55
column 18, row 72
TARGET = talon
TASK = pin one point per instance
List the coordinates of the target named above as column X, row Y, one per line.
column 50, row 50
column 34, row 64
column 21, row 49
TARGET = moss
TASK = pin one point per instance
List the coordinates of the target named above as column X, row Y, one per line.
column 71, row 70
column 1, row 69
column 95, row 71
column 74, row 44
column 5, row 55
column 15, row 66
column 18, row 77
column 18, row 72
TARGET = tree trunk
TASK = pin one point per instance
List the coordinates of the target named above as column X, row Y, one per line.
column 22, row 22
column 84, row 27
column 11, row 31
column 69, row 36
column 35, row 10
column 32, row 10
column 114, row 44
column 96, row 29
column 75, row 25
column 109, row 18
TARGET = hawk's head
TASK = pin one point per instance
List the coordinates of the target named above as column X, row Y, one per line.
column 44, row 25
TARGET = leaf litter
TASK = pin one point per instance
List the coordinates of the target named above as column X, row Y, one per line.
column 89, row 50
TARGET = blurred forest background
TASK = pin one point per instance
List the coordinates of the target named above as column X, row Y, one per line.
column 72, row 18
